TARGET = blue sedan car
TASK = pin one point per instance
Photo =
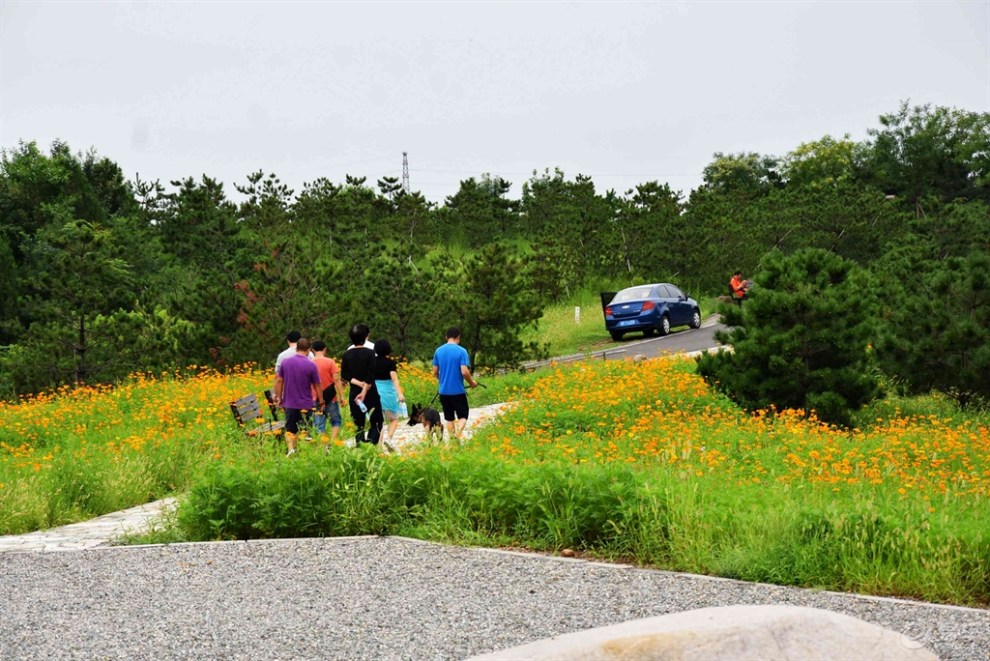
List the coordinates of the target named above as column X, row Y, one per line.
column 652, row 309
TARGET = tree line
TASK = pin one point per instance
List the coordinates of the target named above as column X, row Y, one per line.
column 104, row 276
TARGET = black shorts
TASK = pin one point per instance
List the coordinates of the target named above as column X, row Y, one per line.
column 292, row 419
column 454, row 406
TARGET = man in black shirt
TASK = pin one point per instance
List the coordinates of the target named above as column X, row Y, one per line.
column 357, row 367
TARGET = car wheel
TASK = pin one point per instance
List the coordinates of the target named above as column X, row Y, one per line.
column 664, row 327
column 695, row 319
column 616, row 335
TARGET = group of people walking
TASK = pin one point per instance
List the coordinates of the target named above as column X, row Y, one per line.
column 309, row 386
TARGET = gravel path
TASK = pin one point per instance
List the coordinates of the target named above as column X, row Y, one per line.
column 372, row 598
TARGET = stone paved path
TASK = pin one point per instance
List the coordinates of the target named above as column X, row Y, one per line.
column 88, row 534
column 102, row 530
column 405, row 436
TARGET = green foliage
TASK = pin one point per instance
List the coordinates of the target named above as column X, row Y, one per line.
column 10, row 328
column 573, row 221
column 933, row 293
column 338, row 494
column 921, row 151
column 116, row 343
column 397, row 302
column 937, row 328
column 844, row 219
column 480, row 210
column 651, row 240
column 615, row 511
column 552, row 269
column 76, row 273
column 356, row 492
column 496, row 301
column 745, row 175
column 801, row 340
column 823, row 163
column 79, row 243
column 65, row 255
column 76, row 485
column 869, row 546
column 563, row 335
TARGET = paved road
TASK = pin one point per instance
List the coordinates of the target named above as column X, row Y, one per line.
column 682, row 340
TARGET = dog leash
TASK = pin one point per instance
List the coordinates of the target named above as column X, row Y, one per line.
column 437, row 394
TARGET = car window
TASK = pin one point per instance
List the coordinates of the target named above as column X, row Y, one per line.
column 662, row 291
column 674, row 291
column 634, row 294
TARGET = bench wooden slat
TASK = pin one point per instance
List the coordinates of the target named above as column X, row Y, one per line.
column 249, row 415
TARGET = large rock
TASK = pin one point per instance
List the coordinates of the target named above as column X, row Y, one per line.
column 729, row 633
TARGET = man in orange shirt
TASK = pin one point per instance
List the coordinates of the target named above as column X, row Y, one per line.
column 333, row 391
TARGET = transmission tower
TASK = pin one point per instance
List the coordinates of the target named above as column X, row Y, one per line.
column 405, row 173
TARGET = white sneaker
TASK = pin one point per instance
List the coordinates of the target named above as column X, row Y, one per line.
column 290, row 453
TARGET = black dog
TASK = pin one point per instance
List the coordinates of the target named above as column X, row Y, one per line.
column 430, row 419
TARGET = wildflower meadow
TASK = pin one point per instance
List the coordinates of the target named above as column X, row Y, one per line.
column 76, row 453
column 634, row 462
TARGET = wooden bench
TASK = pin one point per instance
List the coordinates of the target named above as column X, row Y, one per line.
column 251, row 418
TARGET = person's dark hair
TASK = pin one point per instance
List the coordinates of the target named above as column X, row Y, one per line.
column 453, row 332
column 737, row 273
column 293, row 336
column 359, row 333
column 319, row 345
column 382, row 348
column 302, row 344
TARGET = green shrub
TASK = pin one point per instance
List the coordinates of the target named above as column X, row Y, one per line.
column 801, row 341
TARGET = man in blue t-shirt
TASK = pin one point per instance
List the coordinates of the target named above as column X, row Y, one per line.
column 451, row 367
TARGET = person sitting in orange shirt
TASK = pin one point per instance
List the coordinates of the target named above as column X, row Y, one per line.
column 738, row 287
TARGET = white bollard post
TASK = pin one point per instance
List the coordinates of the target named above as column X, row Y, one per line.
column 577, row 315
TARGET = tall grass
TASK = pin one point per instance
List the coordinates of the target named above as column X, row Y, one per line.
column 565, row 335
column 74, row 454
column 655, row 518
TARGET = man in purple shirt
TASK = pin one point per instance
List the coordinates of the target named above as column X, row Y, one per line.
column 297, row 383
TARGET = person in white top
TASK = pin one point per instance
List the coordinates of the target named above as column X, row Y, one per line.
column 291, row 339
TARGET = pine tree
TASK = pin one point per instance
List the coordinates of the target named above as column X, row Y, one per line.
column 802, row 340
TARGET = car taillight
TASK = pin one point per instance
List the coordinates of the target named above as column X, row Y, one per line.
column 648, row 305
column 608, row 310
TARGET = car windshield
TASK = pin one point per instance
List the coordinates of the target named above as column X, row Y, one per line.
column 632, row 294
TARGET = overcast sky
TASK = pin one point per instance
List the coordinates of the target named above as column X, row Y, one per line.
column 624, row 92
